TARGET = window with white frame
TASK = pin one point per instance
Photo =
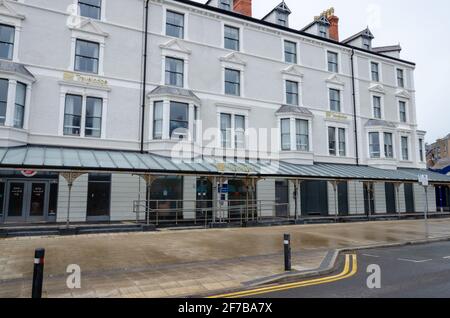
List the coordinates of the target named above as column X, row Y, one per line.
column 375, row 71
column 405, row 148
column 90, row 8
column 73, row 116
column 402, row 111
column 335, row 100
column 337, row 141
column 175, row 24
column 377, row 107
column 292, row 93
column 174, row 72
column 302, row 134
column 232, row 82
column 225, row 130
column 286, row 134
column 87, row 56
column 374, row 145
column 366, row 42
column 231, row 38
column 282, row 18
column 333, row 65
column 239, row 132
column 4, row 85
column 421, row 154
column 19, row 109
column 158, row 120
column 93, row 124
column 225, row 4
column 7, row 34
column 323, row 30
column 400, row 78
column 290, row 52
column 195, row 132
column 388, row 146
column 179, row 120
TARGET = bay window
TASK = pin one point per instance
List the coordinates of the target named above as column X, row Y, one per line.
column 286, row 134
column 374, row 145
column 302, row 134
column 19, row 111
column 179, row 120
column 87, row 123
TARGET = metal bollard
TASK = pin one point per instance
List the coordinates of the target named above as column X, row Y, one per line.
column 287, row 252
column 38, row 273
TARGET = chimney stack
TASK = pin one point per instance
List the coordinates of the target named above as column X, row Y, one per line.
column 334, row 27
column 243, row 7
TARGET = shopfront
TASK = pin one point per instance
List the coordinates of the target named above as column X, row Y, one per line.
column 27, row 197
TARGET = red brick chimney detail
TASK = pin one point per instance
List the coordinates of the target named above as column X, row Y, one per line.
column 334, row 27
column 243, row 7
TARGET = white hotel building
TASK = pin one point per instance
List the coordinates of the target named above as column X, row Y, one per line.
column 311, row 125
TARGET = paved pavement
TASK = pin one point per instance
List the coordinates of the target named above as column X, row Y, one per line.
column 182, row 263
column 419, row 271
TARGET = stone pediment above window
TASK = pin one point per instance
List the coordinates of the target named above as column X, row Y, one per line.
column 377, row 88
column 233, row 58
column 293, row 70
column 90, row 27
column 336, row 80
column 175, row 45
column 403, row 94
column 294, row 111
column 7, row 11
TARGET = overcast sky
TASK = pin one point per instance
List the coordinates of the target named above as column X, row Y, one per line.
column 421, row 27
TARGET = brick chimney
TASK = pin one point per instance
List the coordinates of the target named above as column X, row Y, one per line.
column 334, row 27
column 243, row 7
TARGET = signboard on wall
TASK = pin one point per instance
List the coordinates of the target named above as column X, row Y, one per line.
column 28, row 173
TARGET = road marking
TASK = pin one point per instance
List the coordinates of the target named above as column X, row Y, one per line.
column 370, row 255
column 348, row 272
column 447, row 257
column 414, row 261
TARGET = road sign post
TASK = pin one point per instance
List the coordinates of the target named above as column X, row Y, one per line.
column 423, row 180
column 287, row 252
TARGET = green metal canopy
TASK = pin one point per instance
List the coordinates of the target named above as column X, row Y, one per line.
column 81, row 159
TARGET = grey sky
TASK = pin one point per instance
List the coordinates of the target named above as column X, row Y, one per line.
column 421, row 27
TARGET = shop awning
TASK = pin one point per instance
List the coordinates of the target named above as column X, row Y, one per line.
column 81, row 159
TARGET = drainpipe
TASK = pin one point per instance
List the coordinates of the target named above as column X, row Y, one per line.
column 144, row 76
column 354, row 108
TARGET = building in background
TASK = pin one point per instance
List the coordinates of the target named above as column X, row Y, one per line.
column 83, row 136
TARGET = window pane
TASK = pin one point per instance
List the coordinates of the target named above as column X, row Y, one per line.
column 342, row 144
column 291, row 93
column 3, row 99
column 239, row 125
column 302, row 132
column 232, row 82
column 286, row 134
column 175, row 24
column 332, row 62
column 179, row 120
column 174, row 72
column 335, row 100
column 7, row 34
column 405, row 151
column 225, row 4
column 93, row 117
column 332, row 140
column 231, row 39
column 225, row 129
column 374, row 145
column 72, row 115
column 377, row 107
column 290, row 49
column 90, row 8
column 86, row 56
column 388, row 146
column 21, row 90
column 157, row 120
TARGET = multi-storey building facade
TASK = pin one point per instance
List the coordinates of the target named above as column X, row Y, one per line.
column 218, row 82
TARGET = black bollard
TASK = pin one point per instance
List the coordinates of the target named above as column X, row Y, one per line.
column 38, row 273
column 287, row 252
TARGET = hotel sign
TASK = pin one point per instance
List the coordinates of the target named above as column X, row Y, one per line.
column 226, row 167
column 332, row 115
column 90, row 80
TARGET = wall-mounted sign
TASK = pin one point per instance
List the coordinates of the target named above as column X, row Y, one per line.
column 74, row 77
column 338, row 116
column 28, row 173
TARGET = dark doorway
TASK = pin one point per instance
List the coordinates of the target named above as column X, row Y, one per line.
column 204, row 200
column 443, row 198
column 314, row 198
column 166, row 199
column 391, row 206
column 282, row 198
column 99, row 197
column 342, row 192
column 238, row 197
column 369, row 199
column 409, row 198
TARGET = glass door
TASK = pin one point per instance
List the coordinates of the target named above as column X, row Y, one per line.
column 16, row 202
column 37, row 200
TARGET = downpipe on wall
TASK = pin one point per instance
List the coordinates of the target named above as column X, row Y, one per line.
column 144, row 75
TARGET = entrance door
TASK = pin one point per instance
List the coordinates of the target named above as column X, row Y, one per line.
column 342, row 191
column 409, row 198
column 369, row 199
column 391, row 206
column 26, row 201
column 204, row 199
column 282, row 198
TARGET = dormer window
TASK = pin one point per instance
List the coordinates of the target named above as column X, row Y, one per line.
column 323, row 30
column 282, row 18
column 366, row 43
column 90, row 8
column 225, row 4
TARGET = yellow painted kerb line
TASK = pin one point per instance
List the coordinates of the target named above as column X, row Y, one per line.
column 348, row 272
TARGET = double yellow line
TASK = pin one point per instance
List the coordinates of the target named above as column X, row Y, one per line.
column 350, row 269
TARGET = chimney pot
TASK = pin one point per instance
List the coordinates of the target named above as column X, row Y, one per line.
column 243, row 7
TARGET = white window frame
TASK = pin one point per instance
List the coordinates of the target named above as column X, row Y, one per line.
column 236, row 67
column 184, row 56
column 186, row 22
column 398, row 100
column 293, row 136
column 13, row 79
column 13, row 19
column 233, row 112
column 84, row 92
column 293, row 78
column 78, row 34
column 381, row 137
column 339, row 61
column 339, row 88
column 297, row 45
column 241, row 35
column 380, row 71
column 372, row 96
column 401, row 148
column 405, row 83
column 102, row 10
column 337, row 126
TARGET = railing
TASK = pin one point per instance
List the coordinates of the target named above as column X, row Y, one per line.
column 204, row 212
